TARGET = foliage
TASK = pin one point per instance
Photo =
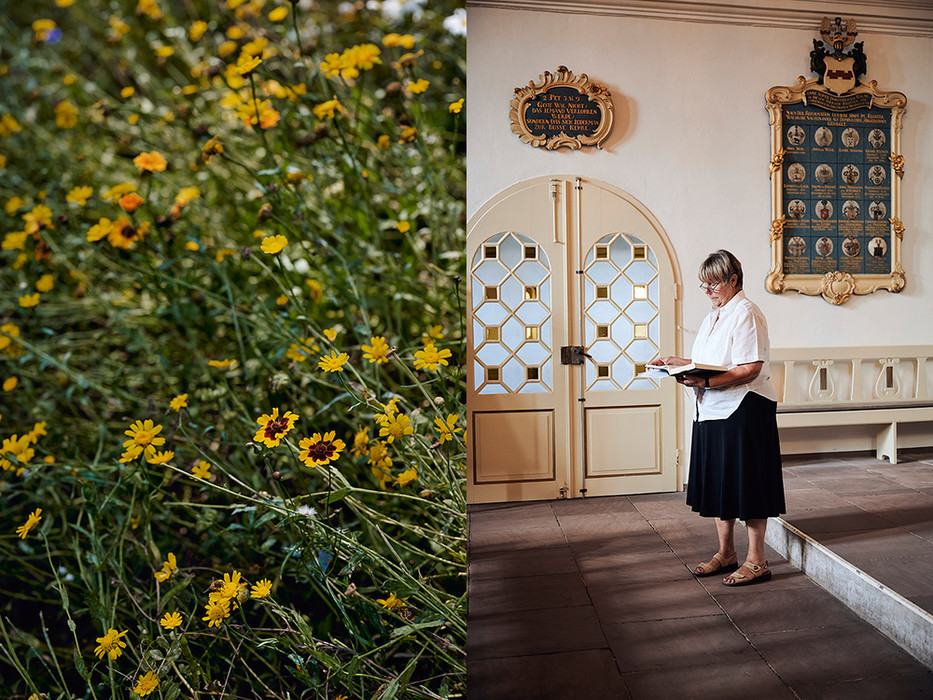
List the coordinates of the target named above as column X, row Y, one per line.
column 230, row 348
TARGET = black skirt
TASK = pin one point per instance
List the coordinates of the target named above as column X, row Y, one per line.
column 735, row 463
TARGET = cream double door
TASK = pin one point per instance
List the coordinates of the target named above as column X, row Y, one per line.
column 566, row 270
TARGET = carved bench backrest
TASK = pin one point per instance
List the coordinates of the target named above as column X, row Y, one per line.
column 841, row 377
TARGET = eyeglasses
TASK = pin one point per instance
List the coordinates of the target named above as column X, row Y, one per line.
column 710, row 288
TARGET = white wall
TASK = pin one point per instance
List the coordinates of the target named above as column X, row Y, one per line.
column 691, row 141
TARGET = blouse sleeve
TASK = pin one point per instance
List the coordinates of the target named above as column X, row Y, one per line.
column 750, row 338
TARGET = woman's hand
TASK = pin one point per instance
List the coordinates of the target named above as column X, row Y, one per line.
column 673, row 361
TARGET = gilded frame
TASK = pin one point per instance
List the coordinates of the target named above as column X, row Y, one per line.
column 835, row 287
column 598, row 95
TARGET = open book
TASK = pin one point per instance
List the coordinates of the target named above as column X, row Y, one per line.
column 694, row 368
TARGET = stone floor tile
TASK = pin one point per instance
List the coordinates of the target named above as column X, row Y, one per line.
column 763, row 609
column 907, row 508
column 511, row 539
column 862, row 546
column 593, row 506
column 577, row 524
column 662, row 600
column 588, row 674
column 616, row 543
column 824, row 655
column 614, row 569
column 906, row 575
column 823, row 520
column 502, row 595
column 812, row 497
column 526, row 562
column 914, row 685
column 509, row 515
column 713, row 681
column 669, row 644
column 783, row 577
column 861, row 484
column 529, row 632
column 661, row 505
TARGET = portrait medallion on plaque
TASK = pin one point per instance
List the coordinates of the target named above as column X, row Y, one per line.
column 561, row 110
column 836, row 171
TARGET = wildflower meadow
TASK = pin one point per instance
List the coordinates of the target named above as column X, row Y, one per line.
column 231, row 348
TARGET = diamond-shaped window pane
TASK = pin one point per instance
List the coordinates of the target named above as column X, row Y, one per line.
column 513, row 334
column 491, row 313
column 641, row 351
column 602, row 272
column 546, row 333
column 623, row 369
column 544, row 293
column 641, row 272
column 531, row 272
column 532, row 312
column 534, row 387
column 494, row 389
column 621, row 252
column 490, row 272
column 533, row 353
column 513, row 374
column 603, row 311
column 603, row 351
column 492, row 354
column 511, row 293
column 621, row 291
column 510, row 251
column 641, row 311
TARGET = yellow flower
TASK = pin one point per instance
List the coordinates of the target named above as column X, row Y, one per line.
column 327, row 109
column 299, row 352
column 146, row 684
column 143, row 439
column 278, row 14
column 226, row 48
column 281, row 300
column 317, row 450
column 392, row 602
column 150, row 8
column 66, row 115
column 186, row 194
column 273, row 427
column 201, row 470
column 418, row 86
column 434, row 332
column 446, row 428
column 330, row 334
column 221, row 364
column 130, row 202
column 197, row 30
column 378, row 352
column 171, row 620
column 273, row 244
column 117, row 191
column 15, row 240
column 246, row 64
column 361, row 441
column 192, row 246
column 13, row 204
column 455, row 107
column 19, row 449
column 7, row 341
column 79, row 195
column 39, row 217
column 164, row 51
column 333, row 362
column 123, row 234
column 153, row 162
column 38, row 429
column 127, row 91
column 315, row 290
column 10, row 383
column 9, row 125
column 110, row 644
column 99, row 230
column 216, row 611
column 45, row 283
column 261, row 588
column 395, row 426
column 43, row 28
column 29, row 300
column 430, row 357
column 407, row 476
column 159, row 457
column 406, row 41
column 64, row 3
column 33, row 520
column 169, row 567
column 408, row 134
column 211, row 148
column 403, row 226
column 229, row 588
column 179, row 402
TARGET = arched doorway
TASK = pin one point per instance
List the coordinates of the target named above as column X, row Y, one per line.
column 563, row 269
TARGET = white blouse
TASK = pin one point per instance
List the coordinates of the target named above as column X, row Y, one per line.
column 735, row 334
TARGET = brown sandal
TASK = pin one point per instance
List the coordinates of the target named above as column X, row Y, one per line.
column 747, row 574
column 718, row 564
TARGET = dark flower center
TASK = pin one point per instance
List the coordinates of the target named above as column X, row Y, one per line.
column 321, row 451
column 276, row 427
column 128, row 232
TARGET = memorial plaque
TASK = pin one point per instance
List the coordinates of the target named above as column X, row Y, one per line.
column 836, row 169
column 562, row 110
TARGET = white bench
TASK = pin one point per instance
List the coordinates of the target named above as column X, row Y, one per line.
column 880, row 387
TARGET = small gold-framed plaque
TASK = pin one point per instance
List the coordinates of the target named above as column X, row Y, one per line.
column 562, row 110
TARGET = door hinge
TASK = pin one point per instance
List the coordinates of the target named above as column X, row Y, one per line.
column 563, row 491
column 677, row 457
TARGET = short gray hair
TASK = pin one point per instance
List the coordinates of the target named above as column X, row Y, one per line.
column 719, row 267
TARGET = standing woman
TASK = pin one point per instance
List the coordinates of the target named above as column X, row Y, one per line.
column 735, row 457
